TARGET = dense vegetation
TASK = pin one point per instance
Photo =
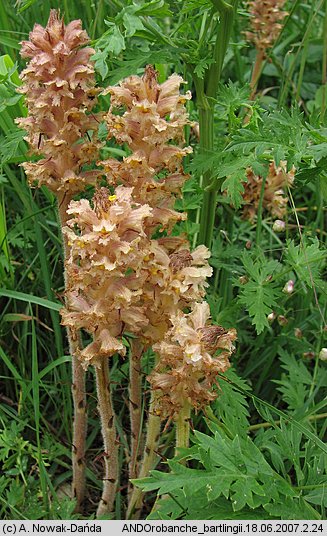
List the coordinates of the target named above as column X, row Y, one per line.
column 255, row 196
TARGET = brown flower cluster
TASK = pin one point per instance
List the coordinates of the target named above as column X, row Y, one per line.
column 274, row 200
column 150, row 117
column 107, row 245
column 120, row 278
column 266, row 21
column 152, row 124
column 191, row 355
column 59, row 86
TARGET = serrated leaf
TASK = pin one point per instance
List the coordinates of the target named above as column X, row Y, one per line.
column 317, row 496
column 306, row 260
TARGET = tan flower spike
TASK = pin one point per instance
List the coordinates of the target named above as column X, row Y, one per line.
column 59, row 85
column 190, row 357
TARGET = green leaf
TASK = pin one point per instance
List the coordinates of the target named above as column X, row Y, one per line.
column 317, row 496
column 259, row 295
column 30, row 299
column 306, row 260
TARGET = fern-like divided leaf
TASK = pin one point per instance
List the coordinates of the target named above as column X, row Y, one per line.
column 259, row 295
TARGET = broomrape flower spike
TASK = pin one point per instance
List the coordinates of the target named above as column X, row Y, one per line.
column 266, row 18
column 190, row 357
column 59, row 89
column 274, row 198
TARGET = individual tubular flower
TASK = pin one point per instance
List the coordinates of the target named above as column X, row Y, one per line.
column 59, row 86
column 274, row 199
column 107, row 246
column 266, row 17
column 190, row 357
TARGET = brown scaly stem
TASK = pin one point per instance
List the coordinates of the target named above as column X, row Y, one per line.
column 135, row 399
column 149, row 460
column 183, row 427
column 78, row 389
column 108, row 428
column 256, row 73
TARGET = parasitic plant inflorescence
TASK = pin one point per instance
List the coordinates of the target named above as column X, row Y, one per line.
column 60, row 92
column 128, row 270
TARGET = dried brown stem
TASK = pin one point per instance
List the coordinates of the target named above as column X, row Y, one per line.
column 108, row 428
column 78, row 389
column 135, row 405
column 256, row 73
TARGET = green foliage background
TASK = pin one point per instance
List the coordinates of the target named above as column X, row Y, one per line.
column 259, row 451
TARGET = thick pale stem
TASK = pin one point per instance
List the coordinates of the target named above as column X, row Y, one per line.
column 135, row 399
column 149, row 460
column 108, row 428
column 183, row 427
column 78, row 389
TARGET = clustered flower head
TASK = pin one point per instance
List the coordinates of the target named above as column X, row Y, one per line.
column 119, row 277
column 59, row 86
column 152, row 124
column 191, row 355
column 266, row 22
column 107, row 245
column 274, row 200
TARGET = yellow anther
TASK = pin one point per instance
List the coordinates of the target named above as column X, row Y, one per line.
column 112, row 197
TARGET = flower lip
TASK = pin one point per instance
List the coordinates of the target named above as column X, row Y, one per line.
column 180, row 259
column 210, row 336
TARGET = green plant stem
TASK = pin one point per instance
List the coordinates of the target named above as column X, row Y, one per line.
column 259, row 213
column 183, row 427
column 135, row 400
column 149, row 459
column 311, row 418
column 207, row 216
column 324, row 67
column 78, row 388
column 108, row 429
column 205, row 91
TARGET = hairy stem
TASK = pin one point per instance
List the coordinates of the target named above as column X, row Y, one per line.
column 108, row 429
column 149, row 460
column 78, row 388
column 183, row 427
column 135, row 405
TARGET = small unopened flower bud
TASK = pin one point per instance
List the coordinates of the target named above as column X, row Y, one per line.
column 308, row 355
column 271, row 317
column 269, row 278
column 289, row 287
column 243, row 279
column 248, row 245
column 298, row 333
column 279, row 226
column 323, row 354
column 282, row 320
